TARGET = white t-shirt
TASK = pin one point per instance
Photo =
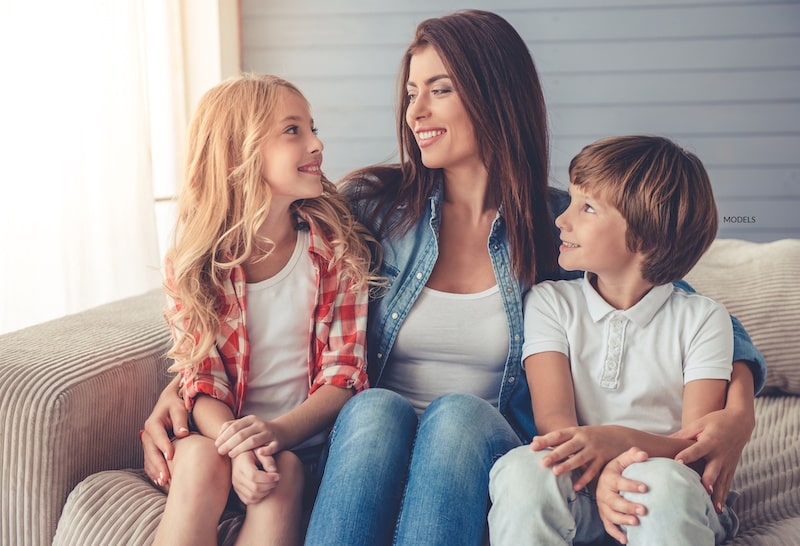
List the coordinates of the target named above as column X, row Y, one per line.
column 279, row 318
column 629, row 367
column 450, row 343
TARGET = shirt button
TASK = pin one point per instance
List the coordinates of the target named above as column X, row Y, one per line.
column 509, row 289
column 496, row 247
column 395, row 315
column 512, row 379
column 516, row 337
column 419, row 275
column 379, row 355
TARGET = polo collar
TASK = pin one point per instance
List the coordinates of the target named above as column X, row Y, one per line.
column 640, row 314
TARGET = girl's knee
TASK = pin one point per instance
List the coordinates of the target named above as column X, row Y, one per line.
column 197, row 462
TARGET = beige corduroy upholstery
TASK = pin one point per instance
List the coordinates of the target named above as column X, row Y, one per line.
column 73, row 395
column 74, row 392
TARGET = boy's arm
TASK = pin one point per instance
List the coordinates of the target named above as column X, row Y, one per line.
column 552, row 395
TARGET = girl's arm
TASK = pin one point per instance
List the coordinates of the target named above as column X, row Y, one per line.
column 209, row 414
column 315, row 414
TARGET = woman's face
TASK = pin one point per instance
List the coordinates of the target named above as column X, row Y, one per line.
column 442, row 128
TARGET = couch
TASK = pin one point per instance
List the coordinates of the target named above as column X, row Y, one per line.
column 75, row 391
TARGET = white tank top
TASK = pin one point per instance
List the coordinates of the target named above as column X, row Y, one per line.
column 279, row 323
column 450, row 343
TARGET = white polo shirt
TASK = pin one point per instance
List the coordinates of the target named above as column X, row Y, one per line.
column 629, row 367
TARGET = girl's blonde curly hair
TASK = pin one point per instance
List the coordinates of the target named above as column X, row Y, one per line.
column 223, row 202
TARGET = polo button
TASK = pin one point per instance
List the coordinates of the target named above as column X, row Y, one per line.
column 395, row 315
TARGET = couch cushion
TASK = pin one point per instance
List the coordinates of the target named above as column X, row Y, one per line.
column 757, row 283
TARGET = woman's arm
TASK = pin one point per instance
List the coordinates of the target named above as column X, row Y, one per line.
column 720, row 436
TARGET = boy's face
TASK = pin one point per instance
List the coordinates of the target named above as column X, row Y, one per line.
column 593, row 237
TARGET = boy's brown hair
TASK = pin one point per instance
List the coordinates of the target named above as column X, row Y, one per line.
column 661, row 190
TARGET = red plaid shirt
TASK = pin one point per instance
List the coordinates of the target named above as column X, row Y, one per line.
column 337, row 354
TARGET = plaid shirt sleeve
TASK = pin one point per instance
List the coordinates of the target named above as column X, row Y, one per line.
column 340, row 333
column 211, row 376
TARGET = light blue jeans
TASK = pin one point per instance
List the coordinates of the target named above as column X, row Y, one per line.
column 393, row 478
column 531, row 505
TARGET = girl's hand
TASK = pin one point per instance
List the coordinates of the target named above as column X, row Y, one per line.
column 720, row 438
column 253, row 476
column 246, row 434
column 587, row 447
column 614, row 509
column 168, row 415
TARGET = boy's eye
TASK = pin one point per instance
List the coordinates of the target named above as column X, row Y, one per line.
column 588, row 208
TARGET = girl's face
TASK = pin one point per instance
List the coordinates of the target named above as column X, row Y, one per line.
column 292, row 154
column 593, row 237
column 442, row 128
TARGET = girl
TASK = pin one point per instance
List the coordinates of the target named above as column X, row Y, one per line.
column 267, row 281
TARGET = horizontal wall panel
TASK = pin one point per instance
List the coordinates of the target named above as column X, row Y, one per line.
column 747, row 152
column 686, row 120
column 422, row 8
column 746, row 85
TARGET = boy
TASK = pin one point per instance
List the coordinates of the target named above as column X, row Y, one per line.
column 621, row 357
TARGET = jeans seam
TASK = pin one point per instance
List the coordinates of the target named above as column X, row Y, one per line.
column 405, row 487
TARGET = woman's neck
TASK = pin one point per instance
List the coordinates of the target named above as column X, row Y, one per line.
column 468, row 191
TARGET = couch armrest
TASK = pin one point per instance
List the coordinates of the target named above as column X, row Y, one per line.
column 74, row 393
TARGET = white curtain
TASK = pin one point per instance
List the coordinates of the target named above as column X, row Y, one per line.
column 77, row 158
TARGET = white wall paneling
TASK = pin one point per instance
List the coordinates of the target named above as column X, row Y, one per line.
column 722, row 77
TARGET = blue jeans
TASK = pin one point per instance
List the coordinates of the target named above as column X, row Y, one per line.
column 531, row 505
column 393, row 478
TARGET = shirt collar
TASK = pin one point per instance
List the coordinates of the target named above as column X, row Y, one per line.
column 640, row 314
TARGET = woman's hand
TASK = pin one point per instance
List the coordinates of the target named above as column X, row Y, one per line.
column 254, row 475
column 249, row 433
column 168, row 415
column 614, row 509
column 720, row 438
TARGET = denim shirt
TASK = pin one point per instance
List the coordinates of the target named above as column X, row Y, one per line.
column 408, row 260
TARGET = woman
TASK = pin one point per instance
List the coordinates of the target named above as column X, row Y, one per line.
column 465, row 229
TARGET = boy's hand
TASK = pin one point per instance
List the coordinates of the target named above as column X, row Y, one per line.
column 246, row 434
column 253, row 476
column 614, row 509
column 587, row 447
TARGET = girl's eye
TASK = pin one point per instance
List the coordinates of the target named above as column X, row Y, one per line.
column 314, row 130
column 441, row 91
column 291, row 130
column 411, row 98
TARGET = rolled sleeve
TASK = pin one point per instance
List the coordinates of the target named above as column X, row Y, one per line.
column 341, row 333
